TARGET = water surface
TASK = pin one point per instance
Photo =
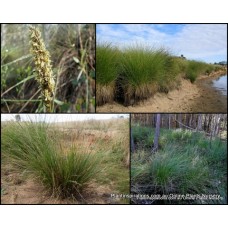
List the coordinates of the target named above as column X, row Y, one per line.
column 221, row 84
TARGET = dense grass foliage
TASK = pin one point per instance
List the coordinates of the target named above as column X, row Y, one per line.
column 107, row 72
column 82, row 161
column 195, row 68
column 31, row 148
column 106, row 64
column 113, row 167
column 186, row 163
column 144, row 71
column 138, row 72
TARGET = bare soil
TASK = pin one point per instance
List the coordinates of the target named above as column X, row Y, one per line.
column 27, row 191
column 197, row 97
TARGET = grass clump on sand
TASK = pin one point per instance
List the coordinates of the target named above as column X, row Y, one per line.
column 30, row 148
column 137, row 72
column 186, row 163
column 106, row 72
column 196, row 68
column 133, row 73
column 144, row 71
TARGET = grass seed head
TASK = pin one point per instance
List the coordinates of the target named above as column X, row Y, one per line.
column 43, row 67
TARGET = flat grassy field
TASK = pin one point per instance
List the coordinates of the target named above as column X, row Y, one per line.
column 65, row 163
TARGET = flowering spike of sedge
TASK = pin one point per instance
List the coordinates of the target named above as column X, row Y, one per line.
column 43, row 67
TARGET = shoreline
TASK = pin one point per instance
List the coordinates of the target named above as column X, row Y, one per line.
column 197, row 97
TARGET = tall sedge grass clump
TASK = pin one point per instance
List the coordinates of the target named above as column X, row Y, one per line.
column 195, row 68
column 31, row 148
column 137, row 72
column 215, row 152
column 140, row 133
column 177, row 171
column 182, row 65
column 106, row 73
column 43, row 67
column 170, row 171
column 144, row 71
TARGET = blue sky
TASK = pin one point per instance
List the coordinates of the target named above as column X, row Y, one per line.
column 206, row 42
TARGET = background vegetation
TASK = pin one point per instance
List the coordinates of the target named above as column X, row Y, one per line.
column 72, row 50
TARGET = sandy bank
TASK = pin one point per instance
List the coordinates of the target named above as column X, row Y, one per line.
column 197, row 97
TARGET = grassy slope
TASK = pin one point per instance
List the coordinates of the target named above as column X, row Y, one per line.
column 138, row 72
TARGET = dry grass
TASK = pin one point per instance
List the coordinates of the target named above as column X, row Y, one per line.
column 105, row 93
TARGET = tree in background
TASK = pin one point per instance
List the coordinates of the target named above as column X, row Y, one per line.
column 157, row 132
column 208, row 123
column 132, row 142
column 18, row 118
column 199, row 126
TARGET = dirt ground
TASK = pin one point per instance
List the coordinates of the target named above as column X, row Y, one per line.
column 17, row 188
column 197, row 97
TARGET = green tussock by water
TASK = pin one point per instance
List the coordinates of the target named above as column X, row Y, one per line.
column 138, row 72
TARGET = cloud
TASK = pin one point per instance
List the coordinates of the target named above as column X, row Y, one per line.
column 60, row 117
column 202, row 41
column 207, row 42
column 126, row 34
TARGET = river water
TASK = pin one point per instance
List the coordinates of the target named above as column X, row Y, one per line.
column 221, row 84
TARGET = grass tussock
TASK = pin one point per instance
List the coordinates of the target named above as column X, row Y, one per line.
column 30, row 149
column 106, row 71
column 196, row 68
column 105, row 93
column 140, row 71
column 186, row 163
column 70, row 159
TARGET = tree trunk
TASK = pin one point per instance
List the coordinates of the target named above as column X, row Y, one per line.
column 169, row 121
column 180, row 120
column 199, row 125
column 217, row 123
column 209, row 123
column 157, row 133
column 190, row 121
column 132, row 142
